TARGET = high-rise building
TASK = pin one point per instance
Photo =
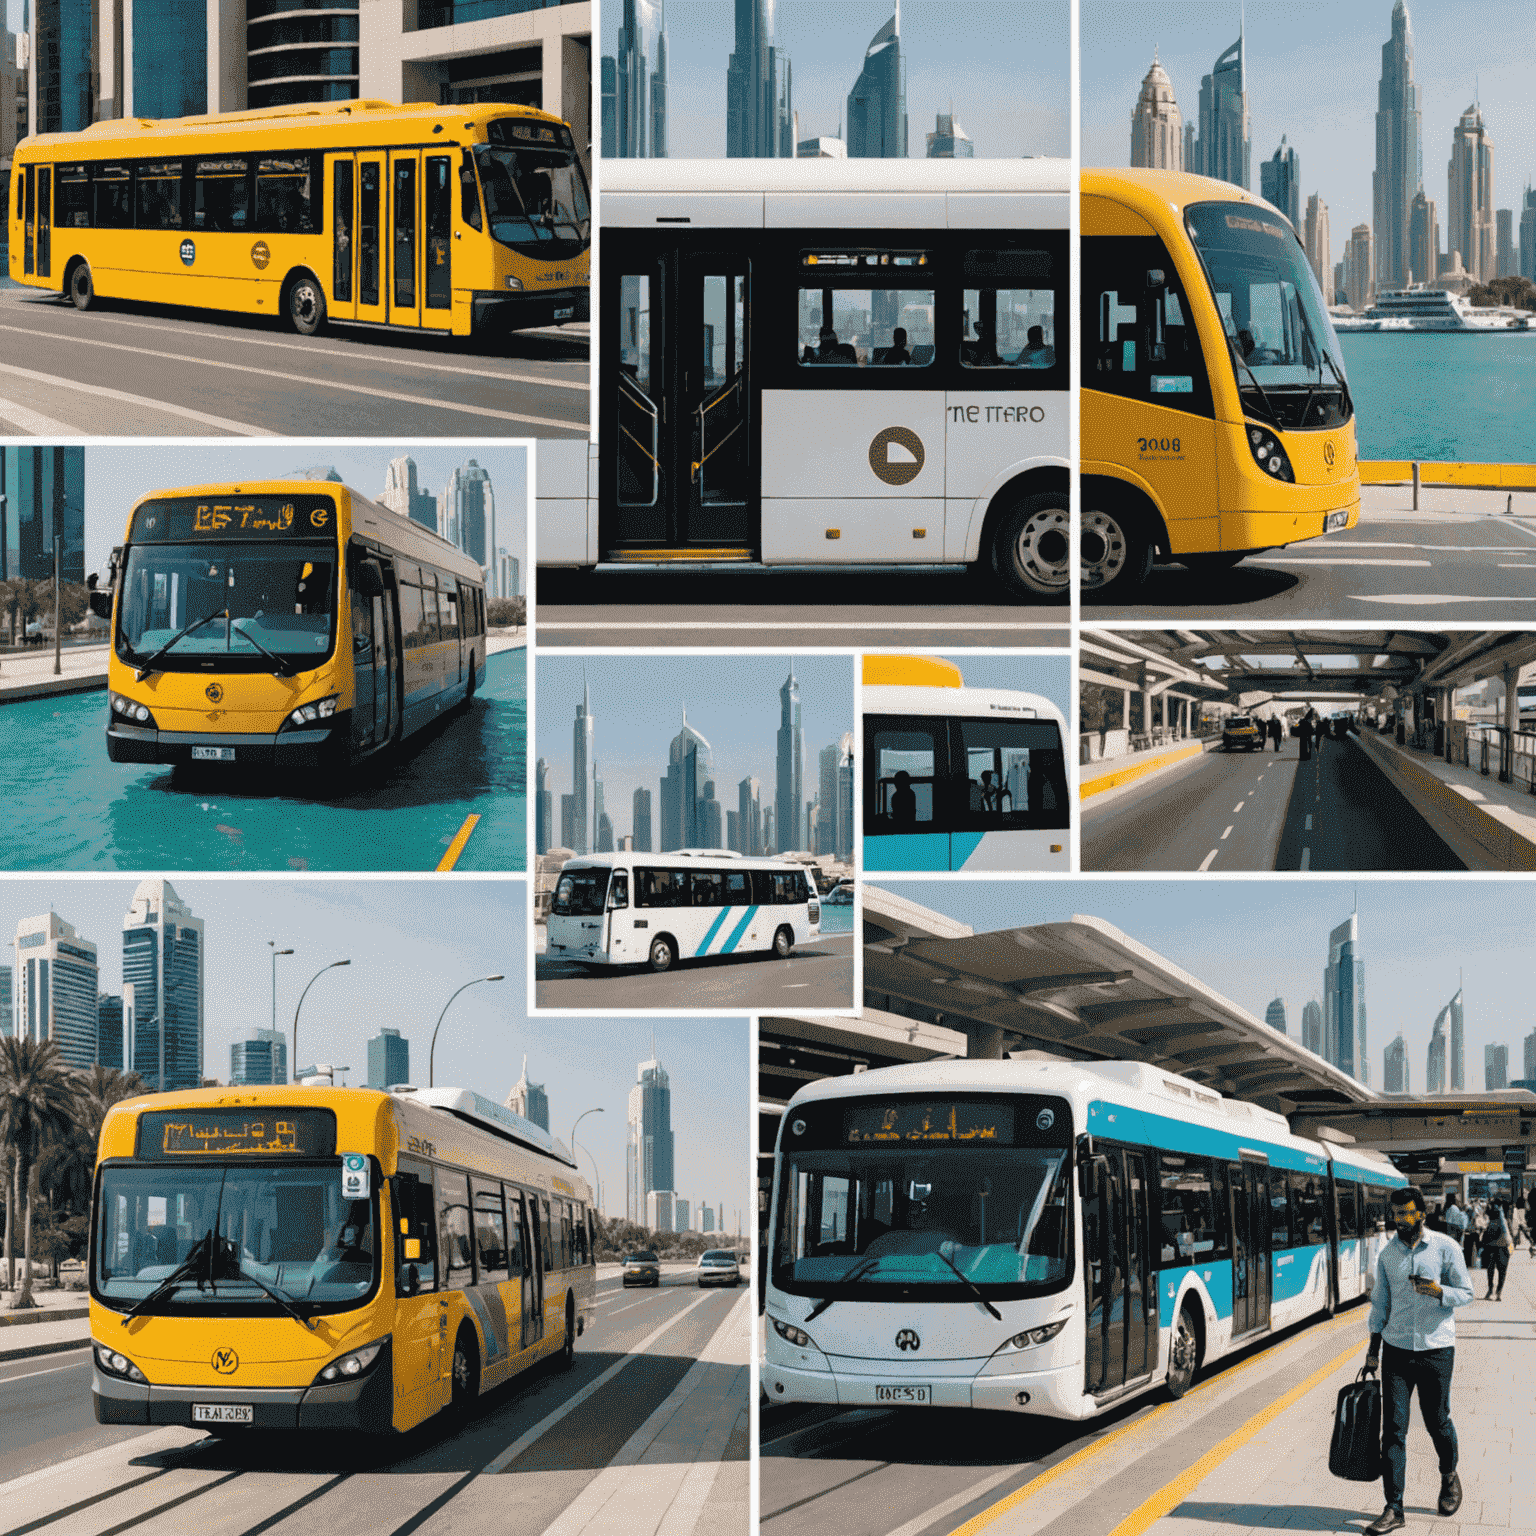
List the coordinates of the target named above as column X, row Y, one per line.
column 1280, row 182
column 1223, row 147
column 13, row 97
column 1530, row 1056
column 543, row 806
column 789, row 793
column 568, row 822
column 949, row 141
column 1506, row 263
column 163, row 962
column 1436, row 1065
column 389, row 1059
column 56, row 987
column 827, row 802
column 680, row 1210
column 599, row 811
column 823, row 147
column 640, row 82
column 659, row 1208
column 877, row 104
column 602, row 838
column 583, row 733
column 467, row 518
column 640, row 821
column 1274, row 1015
column 110, row 1039
column 1344, row 1001
column 759, row 104
column 1359, row 282
column 261, row 1057
column 1528, row 234
column 1157, row 125
column 845, row 832
column 1458, row 1044
column 690, row 766
column 1318, row 249
column 403, row 494
column 711, row 823
column 610, row 106
column 750, row 811
column 7, row 1007
column 1394, row 1077
column 1312, row 1027
column 1495, row 1067
column 733, row 830
column 1423, row 239
column 770, row 831
column 648, row 1159
column 1469, row 203
column 44, row 491
column 1399, row 172
column 706, row 1218
column 529, row 1099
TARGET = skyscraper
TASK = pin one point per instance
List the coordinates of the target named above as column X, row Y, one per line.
column 1447, row 1049
column 690, row 766
column 1530, row 1057
column 789, row 793
column 543, row 806
column 261, row 1057
column 1528, row 234
column 1435, row 1062
column 640, row 82
column 529, row 1099
column 1399, row 173
column 44, row 490
column 759, row 108
column 949, row 141
column 404, row 496
column 640, row 821
column 1319, row 251
column 1495, row 1067
column 1274, row 1015
column 7, row 1014
column 389, row 1059
column 1344, row 1001
column 845, row 833
column 163, row 962
column 877, row 104
column 1423, row 239
column 56, row 987
column 1504, row 259
column 582, row 742
column 1157, row 125
column 1223, row 148
column 1394, row 1077
column 467, row 518
column 599, row 813
column 568, row 822
column 1458, row 1044
column 749, row 809
column 648, row 1160
column 1280, row 182
column 109, row 1029
column 1359, row 280
column 1312, row 1027
column 829, row 762
column 1469, row 203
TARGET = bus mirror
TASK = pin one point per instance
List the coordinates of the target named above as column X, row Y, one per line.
column 369, row 579
column 101, row 602
column 1155, row 277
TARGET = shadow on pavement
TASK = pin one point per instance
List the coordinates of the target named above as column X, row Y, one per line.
column 1172, row 587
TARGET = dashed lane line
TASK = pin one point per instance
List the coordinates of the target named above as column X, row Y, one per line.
column 1228, row 833
column 1236, row 808
column 1306, row 858
column 1308, row 826
column 1330, row 560
column 1209, row 859
column 141, row 402
column 1428, row 599
column 980, row 622
column 34, row 423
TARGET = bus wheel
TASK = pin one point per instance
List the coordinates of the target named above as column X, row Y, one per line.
column 663, row 953
column 305, row 305
column 1184, row 1355
column 82, row 292
column 568, row 1349
column 783, row 942
column 466, row 1373
column 1116, row 554
column 1032, row 549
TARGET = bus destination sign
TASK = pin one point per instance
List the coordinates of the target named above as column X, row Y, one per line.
column 946, row 1121
column 194, row 519
column 237, row 1132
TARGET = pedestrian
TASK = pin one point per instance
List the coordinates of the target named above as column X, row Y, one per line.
column 1458, row 1224
column 1306, row 736
column 1530, row 1218
column 1497, row 1243
column 1420, row 1280
column 1276, row 731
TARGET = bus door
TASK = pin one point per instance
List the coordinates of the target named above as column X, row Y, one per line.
column 420, row 1310
column 1249, row 1181
column 404, row 203
column 372, row 654
column 1121, row 1288
column 371, row 275
column 37, row 220
column 531, row 1317
column 438, row 190
column 540, row 1239
column 713, row 424
column 341, row 182
column 643, row 487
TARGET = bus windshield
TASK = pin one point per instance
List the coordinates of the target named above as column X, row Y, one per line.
column 878, row 1218
column 581, row 892
column 1281, row 343
column 280, row 599
column 534, row 196
column 285, row 1227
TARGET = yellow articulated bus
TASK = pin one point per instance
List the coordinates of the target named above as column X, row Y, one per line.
column 1216, row 417
column 283, row 624
column 447, row 218
column 328, row 1258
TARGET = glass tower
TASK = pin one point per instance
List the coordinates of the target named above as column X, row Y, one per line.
column 170, row 58
column 877, row 104
column 1280, row 182
column 1223, row 147
column 56, row 995
column 1399, row 174
column 529, row 1099
column 690, row 766
column 759, row 115
column 262, row 1057
column 389, row 1059
column 1274, row 1015
column 1395, row 1064
column 582, row 732
column 640, row 82
column 1436, row 1075
column 789, row 792
column 163, row 962
column 649, row 1157
column 1344, row 1001
column 44, row 491
column 543, row 807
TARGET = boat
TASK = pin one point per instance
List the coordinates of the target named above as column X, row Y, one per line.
column 1433, row 309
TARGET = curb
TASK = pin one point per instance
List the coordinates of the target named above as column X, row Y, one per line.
column 43, row 1315
column 55, row 687
column 1126, row 775
column 58, row 1348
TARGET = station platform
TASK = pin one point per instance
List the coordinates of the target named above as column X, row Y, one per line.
column 1117, row 769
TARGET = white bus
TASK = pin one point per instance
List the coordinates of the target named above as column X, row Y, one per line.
column 1047, row 1237
column 957, row 777
column 658, row 908
column 826, row 362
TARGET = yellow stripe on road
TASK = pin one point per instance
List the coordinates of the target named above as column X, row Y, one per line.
column 456, row 847
column 1126, row 775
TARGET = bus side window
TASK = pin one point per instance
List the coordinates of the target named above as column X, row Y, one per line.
column 521, row 1253
column 490, row 1232
column 1221, row 1212
column 1349, row 1220
column 548, row 1244
column 71, row 197
column 1279, row 1211
column 738, row 888
column 454, row 1227
column 904, row 759
column 708, row 887
column 469, row 193
column 415, row 1232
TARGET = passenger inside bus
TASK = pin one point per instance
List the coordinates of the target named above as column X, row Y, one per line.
column 1035, row 353
column 896, row 353
column 904, row 801
column 982, row 352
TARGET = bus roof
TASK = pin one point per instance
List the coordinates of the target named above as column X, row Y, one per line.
column 911, row 671
column 1154, row 194
column 890, row 177
column 962, row 703
column 702, row 856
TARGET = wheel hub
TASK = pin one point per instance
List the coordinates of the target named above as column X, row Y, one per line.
column 1104, row 549
column 1043, row 548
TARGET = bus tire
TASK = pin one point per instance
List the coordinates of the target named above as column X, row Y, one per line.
column 783, row 943
column 663, row 953
column 79, row 287
column 304, row 304
column 1115, row 551
column 1183, row 1353
column 1032, row 546
column 466, row 1372
column 568, row 1348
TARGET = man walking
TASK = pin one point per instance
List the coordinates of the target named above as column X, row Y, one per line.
column 1420, row 1278
column 1458, row 1225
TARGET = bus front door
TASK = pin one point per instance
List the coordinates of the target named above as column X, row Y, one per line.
column 536, row 1285
column 405, row 239
column 370, row 238
column 1121, row 1287
column 713, row 425
column 529, row 1319
column 44, row 220
column 438, row 189
column 1249, row 1181
column 341, row 184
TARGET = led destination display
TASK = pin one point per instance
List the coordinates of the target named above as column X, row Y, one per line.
column 190, row 519
column 243, row 1132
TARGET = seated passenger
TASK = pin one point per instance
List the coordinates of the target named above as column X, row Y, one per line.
column 904, row 801
column 982, row 352
column 897, row 351
column 1036, row 354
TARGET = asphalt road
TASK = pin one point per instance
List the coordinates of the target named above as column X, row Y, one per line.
column 1246, row 811
column 1441, row 568
column 827, row 608
column 155, row 371
column 641, row 1415
column 816, row 975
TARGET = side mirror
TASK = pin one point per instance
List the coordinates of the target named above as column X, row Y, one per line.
column 100, row 602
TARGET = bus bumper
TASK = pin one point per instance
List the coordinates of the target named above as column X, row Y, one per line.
column 494, row 311
column 1053, row 1394
column 312, row 747
column 1271, row 530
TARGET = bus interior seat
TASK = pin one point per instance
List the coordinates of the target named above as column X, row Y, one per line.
column 922, row 355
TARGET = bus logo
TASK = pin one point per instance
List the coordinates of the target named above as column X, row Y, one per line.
column 319, row 518
column 188, row 253
column 1328, row 454
column 226, row 1362
column 897, row 455
column 214, row 692
column 261, row 254
column 907, row 1339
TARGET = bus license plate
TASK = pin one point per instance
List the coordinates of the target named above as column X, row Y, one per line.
column 907, row 1394
column 568, row 313
column 213, row 754
column 1336, row 520
column 221, row 1413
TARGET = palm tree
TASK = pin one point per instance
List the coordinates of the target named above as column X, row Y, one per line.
column 38, row 1106
column 69, row 1165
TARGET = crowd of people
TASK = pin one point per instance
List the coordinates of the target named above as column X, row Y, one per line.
column 1489, row 1230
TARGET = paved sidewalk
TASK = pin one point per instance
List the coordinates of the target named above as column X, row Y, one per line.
column 60, row 1321
column 29, row 675
column 1394, row 500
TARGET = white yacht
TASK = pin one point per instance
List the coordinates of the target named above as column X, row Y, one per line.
column 1432, row 309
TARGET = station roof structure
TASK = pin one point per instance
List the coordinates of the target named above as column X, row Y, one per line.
column 1455, row 1125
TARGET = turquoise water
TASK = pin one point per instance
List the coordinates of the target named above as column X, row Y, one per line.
column 837, row 919
column 67, row 807
column 1444, row 397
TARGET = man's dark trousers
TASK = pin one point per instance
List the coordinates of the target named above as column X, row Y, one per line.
column 1403, row 1370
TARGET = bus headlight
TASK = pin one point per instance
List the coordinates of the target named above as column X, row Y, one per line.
column 792, row 1335
column 114, row 1364
column 514, row 282
column 307, row 714
column 1032, row 1336
column 1268, row 454
column 353, row 1365
column 127, row 709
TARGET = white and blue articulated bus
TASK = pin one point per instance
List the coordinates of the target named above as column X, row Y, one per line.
column 957, row 777
column 658, row 908
column 1047, row 1237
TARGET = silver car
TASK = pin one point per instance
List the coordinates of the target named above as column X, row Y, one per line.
column 718, row 1266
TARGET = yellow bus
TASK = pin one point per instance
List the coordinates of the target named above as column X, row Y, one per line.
column 445, row 218
column 1216, row 417
column 328, row 1258
column 283, row 624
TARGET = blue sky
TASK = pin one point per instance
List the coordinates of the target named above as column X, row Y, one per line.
column 1002, row 64
column 1256, row 939
column 115, row 477
column 410, row 947
column 1313, row 69
column 732, row 701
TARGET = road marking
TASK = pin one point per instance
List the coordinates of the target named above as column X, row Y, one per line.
column 950, row 1505
column 1209, row 859
column 1313, row 560
column 1422, row 599
column 1527, row 566
column 34, row 423
column 456, row 847
column 1308, row 826
column 273, row 373
column 1236, row 808
column 1306, row 857
column 1228, row 833
column 944, row 624
column 790, row 986
column 83, row 1350
column 1452, row 549
column 239, row 428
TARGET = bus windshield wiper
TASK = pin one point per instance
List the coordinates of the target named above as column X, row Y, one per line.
column 1235, row 348
column 1333, row 368
column 859, row 1270
column 285, row 667
column 178, row 1276
column 282, row 1299
column 144, row 668
column 969, row 1284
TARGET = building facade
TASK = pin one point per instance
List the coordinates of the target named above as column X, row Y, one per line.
column 1344, row 1002
column 1506, row 262
column 1495, row 1067
column 1399, row 173
column 877, row 104
column 111, row 1051
column 56, row 994
column 789, row 790
column 1224, row 145
column 1423, row 239
column 44, row 490
column 659, row 1210
column 389, row 1059
column 1312, row 1027
column 1280, row 182
column 1274, row 1015
column 403, row 495
column 1528, row 234
column 759, row 96
column 1394, row 1077
column 530, row 1100
column 1469, row 210
column 1319, row 251
column 261, row 1057
column 467, row 518
column 949, row 141
column 163, row 962
column 1359, row 280
column 639, row 74
column 640, row 821
column 1157, row 125
column 648, row 1158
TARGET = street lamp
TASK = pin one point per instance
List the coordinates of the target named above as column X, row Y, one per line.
column 272, row 1044
column 595, row 1169
column 432, row 1049
column 302, row 995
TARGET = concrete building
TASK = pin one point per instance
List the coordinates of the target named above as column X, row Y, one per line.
column 822, row 147
column 1506, row 260
column 1469, row 211
column 1157, row 125
column 1344, row 1002
column 44, row 491
column 1423, row 239
column 759, row 96
column 163, row 961
column 1395, row 1077
column 1399, row 172
column 583, row 732
column 543, row 807
column 1316, row 241
column 261, row 1057
column 1280, row 182
column 1223, row 147
column 7, row 1005
column 111, row 1041
column 1437, row 1062
column 639, row 72
column 877, row 104
column 949, row 141
column 389, row 1059
column 640, row 822
column 56, row 988
column 660, row 1210
column 1495, row 1067
column 529, row 1099
column 1274, row 1015
column 1359, row 282
column 789, row 793
column 648, row 1157
column 1312, row 1027
column 1528, row 234
column 403, row 495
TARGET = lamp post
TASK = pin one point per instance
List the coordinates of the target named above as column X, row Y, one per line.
column 432, row 1049
column 272, row 1044
column 302, row 995
column 58, row 555
column 595, row 1169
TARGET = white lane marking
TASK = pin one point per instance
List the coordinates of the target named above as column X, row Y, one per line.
column 1308, row 826
column 548, row 1422
column 143, row 402
column 1209, row 859
column 778, row 624
column 1315, row 560
column 1454, row 549
column 6, row 1380
column 790, row 986
column 155, row 1441
column 1503, row 565
column 956, row 1501
column 273, row 373
column 34, row 423
column 1228, row 833
column 1306, row 858
column 1236, row 808
column 1423, row 599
